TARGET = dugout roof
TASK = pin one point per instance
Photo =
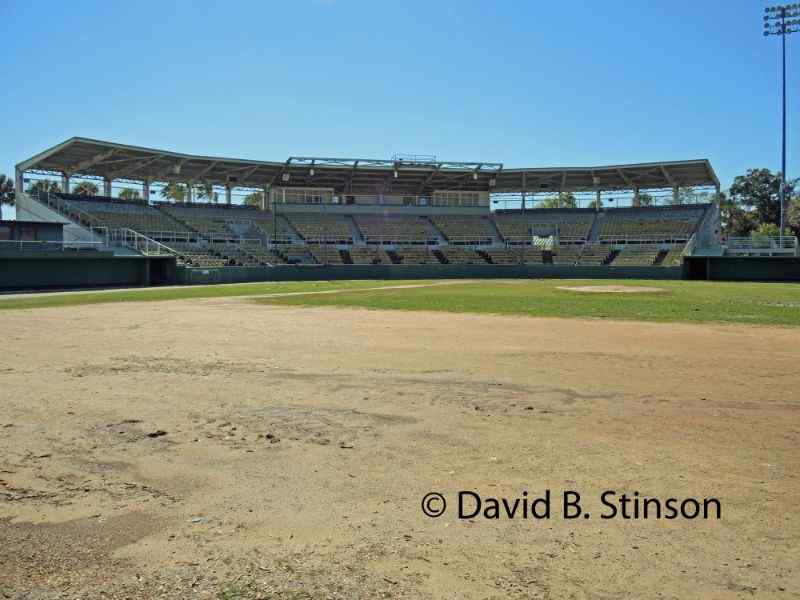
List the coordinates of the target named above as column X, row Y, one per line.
column 82, row 157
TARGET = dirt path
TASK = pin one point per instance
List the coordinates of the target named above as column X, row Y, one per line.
column 297, row 445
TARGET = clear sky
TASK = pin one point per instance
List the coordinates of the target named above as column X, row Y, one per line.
column 525, row 83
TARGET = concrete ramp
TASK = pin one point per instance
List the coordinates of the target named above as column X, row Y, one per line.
column 30, row 209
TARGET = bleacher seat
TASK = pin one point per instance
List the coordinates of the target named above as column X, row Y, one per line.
column 464, row 229
column 459, row 255
column 394, row 229
column 416, row 255
column 369, row 255
column 321, row 228
column 650, row 223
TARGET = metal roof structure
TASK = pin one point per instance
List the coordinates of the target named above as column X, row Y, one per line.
column 87, row 158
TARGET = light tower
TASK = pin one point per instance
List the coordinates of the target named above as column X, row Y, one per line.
column 782, row 20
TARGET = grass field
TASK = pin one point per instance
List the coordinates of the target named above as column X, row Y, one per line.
column 752, row 303
column 755, row 303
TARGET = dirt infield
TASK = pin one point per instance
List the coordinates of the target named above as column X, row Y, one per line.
column 217, row 448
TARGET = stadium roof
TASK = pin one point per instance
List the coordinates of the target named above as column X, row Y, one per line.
column 82, row 157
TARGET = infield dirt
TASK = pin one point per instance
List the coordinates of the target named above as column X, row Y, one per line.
column 218, row 448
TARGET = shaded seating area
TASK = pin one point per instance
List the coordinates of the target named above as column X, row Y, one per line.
column 460, row 255
column 638, row 255
column 594, row 254
column 394, row 229
column 416, row 255
column 515, row 255
column 326, row 254
column 321, row 228
column 661, row 223
column 521, row 227
column 196, row 255
column 464, row 229
column 566, row 254
column 115, row 213
column 369, row 255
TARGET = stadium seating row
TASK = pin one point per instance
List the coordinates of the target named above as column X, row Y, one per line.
column 211, row 235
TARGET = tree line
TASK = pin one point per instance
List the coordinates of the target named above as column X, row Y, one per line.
column 751, row 206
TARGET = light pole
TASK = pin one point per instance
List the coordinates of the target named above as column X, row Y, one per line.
column 775, row 23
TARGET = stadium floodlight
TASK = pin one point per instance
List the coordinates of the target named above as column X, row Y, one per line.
column 776, row 23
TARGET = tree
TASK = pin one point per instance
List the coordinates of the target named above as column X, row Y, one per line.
column 7, row 195
column 563, row 200
column 129, row 194
column 736, row 220
column 759, row 189
column 174, row 191
column 254, row 199
column 645, row 199
column 793, row 216
column 85, row 188
column 205, row 191
column 44, row 186
column 766, row 230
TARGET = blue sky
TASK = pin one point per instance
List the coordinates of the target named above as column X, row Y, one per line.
column 523, row 83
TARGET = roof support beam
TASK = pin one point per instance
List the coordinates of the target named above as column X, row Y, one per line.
column 667, row 176
column 428, row 179
column 127, row 172
column 90, row 162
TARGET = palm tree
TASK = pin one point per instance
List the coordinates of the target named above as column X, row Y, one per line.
column 254, row 199
column 129, row 194
column 85, row 188
column 44, row 186
column 6, row 193
column 6, row 190
column 563, row 200
column 174, row 191
column 206, row 191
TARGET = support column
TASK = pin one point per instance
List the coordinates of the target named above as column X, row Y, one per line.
column 524, row 190
column 228, row 194
column 636, row 200
column 597, row 202
column 188, row 196
column 717, row 188
column 675, row 194
column 65, row 183
column 107, row 187
column 265, row 198
column 19, row 182
column 146, row 191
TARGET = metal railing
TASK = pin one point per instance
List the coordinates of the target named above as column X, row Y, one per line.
column 48, row 245
column 625, row 238
column 139, row 242
column 757, row 244
column 400, row 240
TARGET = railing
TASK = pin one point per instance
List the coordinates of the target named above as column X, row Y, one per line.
column 688, row 250
column 625, row 238
column 48, row 246
column 400, row 240
column 139, row 242
column 68, row 209
column 470, row 240
column 757, row 244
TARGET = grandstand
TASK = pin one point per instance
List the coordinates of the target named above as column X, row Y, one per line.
column 374, row 212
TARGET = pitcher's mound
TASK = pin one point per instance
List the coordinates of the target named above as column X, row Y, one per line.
column 612, row 289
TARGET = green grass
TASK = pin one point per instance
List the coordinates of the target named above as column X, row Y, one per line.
column 693, row 301
column 753, row 303
column 180, row 293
